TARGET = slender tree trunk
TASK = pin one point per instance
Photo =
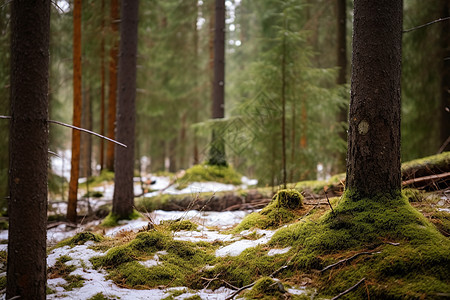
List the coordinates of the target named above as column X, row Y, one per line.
column 217, row 151
column 196, row 98
column 445, row 77
column 341, row 15
column 26, row 266
column 102, row 88
column 172, row 155
column 373, row 160
column 86, row 139
column 77, row 108
column 123, row 200
column 113, row 62
column 283, row 112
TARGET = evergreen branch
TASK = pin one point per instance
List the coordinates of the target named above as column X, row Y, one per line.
column 77, row 128
column 426, row 24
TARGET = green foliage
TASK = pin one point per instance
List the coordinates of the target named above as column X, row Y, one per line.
column 206, row 172
column 112, row 219
column 80, row 238
column 105, row 176
column 178, row 263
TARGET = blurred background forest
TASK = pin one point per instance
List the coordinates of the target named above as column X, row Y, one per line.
column 271, row 45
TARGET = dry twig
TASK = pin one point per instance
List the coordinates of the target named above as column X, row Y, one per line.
column 349, row 289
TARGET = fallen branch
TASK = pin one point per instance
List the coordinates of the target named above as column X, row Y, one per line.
column 426, row 179
column 345, row 260
column 328, row 200
column 426, row 24
column 349, row 289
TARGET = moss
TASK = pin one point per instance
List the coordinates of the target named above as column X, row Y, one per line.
column 73, row 282
column 205, row 172
column 441, row 160
column 177, row 225
column 194, row 297
column 414, row 195
column 2, row 282
column 60, row 269
column 100, row 296
column 105, row 176
column 285, row 207
column 112, row 219
column 80, row 238
column 441, row 219
column 174, row 293
column 266, row 288
column 176, row 267
column 366, row 225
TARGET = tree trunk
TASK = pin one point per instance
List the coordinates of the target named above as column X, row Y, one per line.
column 283, row 111
column 445, row 78
column 77, row 108
column 102, row 88
column 373, row 159
column 86, row 139
column 26, row 266
column 123, row 200
column 217, row 151
column 113, row 61
column 341, row 16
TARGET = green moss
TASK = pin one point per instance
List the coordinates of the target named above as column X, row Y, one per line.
column 105, row 176
column 441, row 219
column 266, row 288
column 179, row 225
column 194, row 297
column 2, row 282
column 284, row 208
column 205, row 172
column 441, row 160
column 366, row 225
column 100, row 296
column 73, row 282
column 177, row 266
column 80, row 238
column 413, row 195
column 174, row 293
column 112, row 219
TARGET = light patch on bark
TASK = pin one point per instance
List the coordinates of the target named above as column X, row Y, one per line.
column 363, row 127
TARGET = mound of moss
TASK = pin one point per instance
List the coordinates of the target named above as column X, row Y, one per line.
column 178, row 225
column 80, row 238
column 266, row 288
column 112, row 219
column 178, row 261
column 205, row 172
column 405, row 254
column 286, row 206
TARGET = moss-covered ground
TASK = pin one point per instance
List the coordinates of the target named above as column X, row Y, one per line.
column 396, row 246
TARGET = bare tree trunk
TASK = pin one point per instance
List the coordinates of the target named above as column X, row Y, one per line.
column 283, row 112
column 113, row 61
column 102, row 99
column 373, row 160
column 123, row 200
column 217, row 151
column 445, row 78
column 86, row 139
column 26, row 266
column 77, row 108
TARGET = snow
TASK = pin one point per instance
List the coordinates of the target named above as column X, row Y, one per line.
column 273, row 252
column 238, row 247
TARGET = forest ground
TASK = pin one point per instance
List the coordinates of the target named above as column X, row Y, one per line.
column 72, row 275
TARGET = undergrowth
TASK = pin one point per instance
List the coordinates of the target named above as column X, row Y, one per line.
column 205, row 172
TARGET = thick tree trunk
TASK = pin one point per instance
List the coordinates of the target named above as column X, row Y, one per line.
column 113, row 61
column 373, row 159
column 445, row 77
column 26, row 267
column 217, row 152
column 123, row 200
column 77, row 109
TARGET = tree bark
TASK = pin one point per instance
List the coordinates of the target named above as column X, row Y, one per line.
column 445, row 77
column 373, row 159
column 113, row 61
column 26, row 266
column 102, row 88
column 77, row 109
column 217, row 152
column 123, row 200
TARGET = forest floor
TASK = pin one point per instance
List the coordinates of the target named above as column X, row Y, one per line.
column 78, row 263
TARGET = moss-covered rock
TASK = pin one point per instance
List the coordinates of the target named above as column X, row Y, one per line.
column 266, row 288
column 178, row 225
column 112, row 219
